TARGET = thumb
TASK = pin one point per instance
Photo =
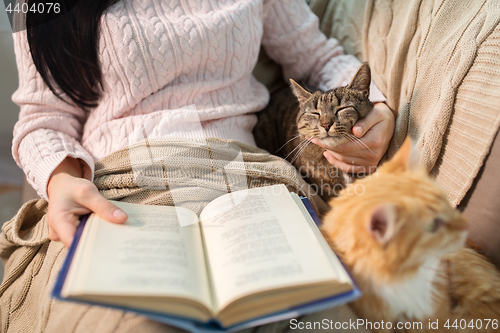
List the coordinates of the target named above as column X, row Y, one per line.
column 363, row 125
column 106, row 209
column 360, row 128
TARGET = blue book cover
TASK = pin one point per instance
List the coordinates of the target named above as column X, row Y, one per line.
column 212, row 325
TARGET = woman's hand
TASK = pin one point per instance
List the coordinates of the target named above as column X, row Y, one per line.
column 374, row 133
column 70, row 196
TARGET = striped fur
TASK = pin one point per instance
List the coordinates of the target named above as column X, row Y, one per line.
column 295, row 114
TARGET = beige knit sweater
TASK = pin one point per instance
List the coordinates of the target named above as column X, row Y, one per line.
column 438, row 63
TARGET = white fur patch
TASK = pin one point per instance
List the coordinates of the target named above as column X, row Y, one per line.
column 347, row 178
column 413, row 297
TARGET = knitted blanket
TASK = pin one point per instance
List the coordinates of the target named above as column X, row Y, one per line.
column 160, row 172
column 438, row 63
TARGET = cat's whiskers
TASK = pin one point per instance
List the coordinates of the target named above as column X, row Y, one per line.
column 353, row 141
column 299, row 146
column 295, row 137
column 345, row 135
column 304, row 144
column 357, row 140
column 301, row 150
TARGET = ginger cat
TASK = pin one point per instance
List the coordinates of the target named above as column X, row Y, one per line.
column 404, row 245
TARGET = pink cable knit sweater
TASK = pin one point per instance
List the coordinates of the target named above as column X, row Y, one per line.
column 158, row 56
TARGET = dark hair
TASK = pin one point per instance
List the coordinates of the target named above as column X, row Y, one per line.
column 64, row 48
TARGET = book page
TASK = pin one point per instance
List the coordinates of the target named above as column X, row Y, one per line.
column 342, row 274
column 261, row 241
column 150, row 255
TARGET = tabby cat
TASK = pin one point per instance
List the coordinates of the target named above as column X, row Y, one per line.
column 404, row 245
column 296, row 113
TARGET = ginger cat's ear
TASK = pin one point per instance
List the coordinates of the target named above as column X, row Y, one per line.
column 301, row 94
column 405, row 159
column 382, row 223
column 362, row 79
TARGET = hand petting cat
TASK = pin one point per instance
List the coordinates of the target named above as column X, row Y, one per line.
column 375, row 131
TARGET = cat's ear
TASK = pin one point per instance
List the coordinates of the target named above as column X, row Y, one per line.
column 301, row 94
column 382, row 223
column 362, row 79
column 406, row 158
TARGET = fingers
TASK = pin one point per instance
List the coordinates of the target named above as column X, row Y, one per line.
column 62, row 226
column 374, row 117
column 53, row 235
column 72, row 197
column 362, row 147
column 362, row 160
column 363, row 154
column 349, row 167
column 90, row 198
column 65, row 231
column 344, row 148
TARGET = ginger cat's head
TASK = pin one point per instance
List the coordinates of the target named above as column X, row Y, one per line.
column 390, row 224
column 329, row 116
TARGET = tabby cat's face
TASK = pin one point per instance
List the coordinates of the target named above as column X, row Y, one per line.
column 330, row 116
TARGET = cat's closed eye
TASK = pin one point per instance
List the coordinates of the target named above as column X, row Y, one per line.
column 347, row 111
column 435, row 224
column 348, row 115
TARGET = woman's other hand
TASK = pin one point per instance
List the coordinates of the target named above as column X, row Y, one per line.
column 70, row 196
column 374, row 133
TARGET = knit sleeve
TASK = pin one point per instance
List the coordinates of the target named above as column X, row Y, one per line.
column 48, row 129
column 292, row 38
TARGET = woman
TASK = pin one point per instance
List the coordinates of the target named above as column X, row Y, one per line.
column 93, row 76
column 141, row 57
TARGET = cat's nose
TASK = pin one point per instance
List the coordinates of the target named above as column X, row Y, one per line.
column 327, row 126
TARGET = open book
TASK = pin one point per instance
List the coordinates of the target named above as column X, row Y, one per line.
column 249, row 254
